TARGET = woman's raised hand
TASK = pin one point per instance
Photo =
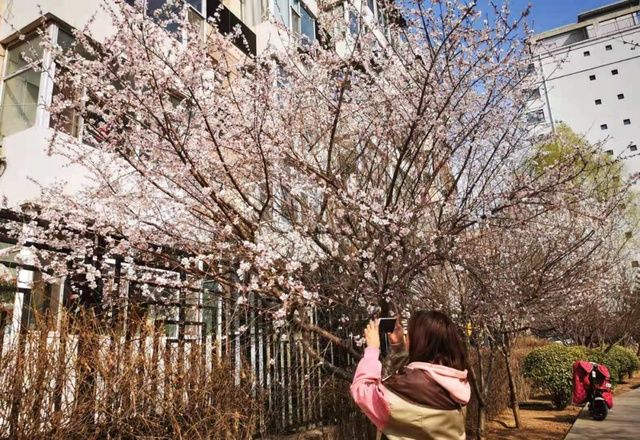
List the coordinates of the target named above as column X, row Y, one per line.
column 372, row 335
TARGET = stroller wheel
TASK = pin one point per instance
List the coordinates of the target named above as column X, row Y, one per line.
column 598, row 409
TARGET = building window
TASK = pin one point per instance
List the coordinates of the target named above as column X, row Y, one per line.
column 621, row 96
column 586, row 53
column 308, row 24
column 21, row 86
column 608, row 47
column 295, row 16
column 633, row 147
column 370, row 4
column 627, row 122
column 598, row 101
column 614, row 72
column 592, row 77
column 616, row 24
column 603, row 127
column 609, row 152
column 354, row 25
column 535, row 117
column 68, row 121
column 534, row 93
column 196, row 4
column 163, row 12
column 282, row 12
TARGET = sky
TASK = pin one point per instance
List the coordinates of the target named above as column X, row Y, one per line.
column 550, row 14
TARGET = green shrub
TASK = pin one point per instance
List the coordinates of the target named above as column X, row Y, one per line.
column 620, row 361
column 550, row 368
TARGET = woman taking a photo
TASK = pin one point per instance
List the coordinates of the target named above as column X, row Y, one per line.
column 427, row 398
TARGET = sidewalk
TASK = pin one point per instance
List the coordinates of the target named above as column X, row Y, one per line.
column 622, row 423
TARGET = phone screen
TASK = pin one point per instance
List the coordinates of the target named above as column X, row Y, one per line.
column 385, row 326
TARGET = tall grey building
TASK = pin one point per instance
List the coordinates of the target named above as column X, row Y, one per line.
column 590, row 79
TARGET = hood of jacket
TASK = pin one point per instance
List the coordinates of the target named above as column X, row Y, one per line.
column 432, row 385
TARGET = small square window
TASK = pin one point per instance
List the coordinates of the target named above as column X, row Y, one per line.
column 633, row 148
column 614, row 72
column 598, row 101
column 621, row 96
column 592, row 77
column 627, row 122
column 603, row 127
column 535, row 117
column 635, row 264
column 586, row 53
column 609, row 152
column 608, row 47
column 534, row 93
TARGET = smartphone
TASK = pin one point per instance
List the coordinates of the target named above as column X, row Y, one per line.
column 385, row 326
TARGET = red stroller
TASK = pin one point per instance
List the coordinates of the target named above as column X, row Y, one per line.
column 592, row 384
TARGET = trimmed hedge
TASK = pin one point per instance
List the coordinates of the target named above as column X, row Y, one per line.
column 625, row 359
column 550, row 367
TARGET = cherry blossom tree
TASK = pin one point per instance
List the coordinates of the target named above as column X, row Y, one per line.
column 357, row 174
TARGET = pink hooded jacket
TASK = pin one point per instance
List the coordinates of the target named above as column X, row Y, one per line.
column 425, row 401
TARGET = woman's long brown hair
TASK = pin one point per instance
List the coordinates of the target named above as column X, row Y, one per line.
column 434, row 338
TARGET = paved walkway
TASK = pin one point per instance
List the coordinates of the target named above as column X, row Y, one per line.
column 622, row 423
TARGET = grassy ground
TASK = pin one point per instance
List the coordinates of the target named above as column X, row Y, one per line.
column 541, row 421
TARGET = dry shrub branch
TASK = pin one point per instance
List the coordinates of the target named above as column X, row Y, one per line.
column 85, row 382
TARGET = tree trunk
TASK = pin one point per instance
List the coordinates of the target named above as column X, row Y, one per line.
column 481, row 433
column 513, row 388
column 477, row 381
column 513, row 393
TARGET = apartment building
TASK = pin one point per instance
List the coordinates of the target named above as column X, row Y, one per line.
column 589, row 73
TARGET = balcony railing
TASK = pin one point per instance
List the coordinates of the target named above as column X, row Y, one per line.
column 227, row 23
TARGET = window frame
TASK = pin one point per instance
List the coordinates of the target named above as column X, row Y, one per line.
column 307, row 11
column 292, row 11
column 45, row 83
column 371, row 5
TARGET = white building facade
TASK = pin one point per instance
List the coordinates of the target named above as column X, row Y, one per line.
column 590, row 79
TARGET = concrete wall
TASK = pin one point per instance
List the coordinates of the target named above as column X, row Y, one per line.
column 77, row 13
column 30, row 166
